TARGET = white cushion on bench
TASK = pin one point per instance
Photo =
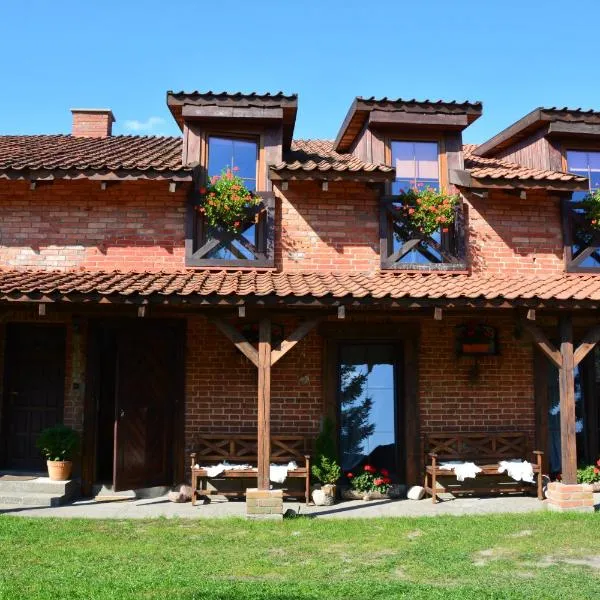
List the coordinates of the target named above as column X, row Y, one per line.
column 277, row 473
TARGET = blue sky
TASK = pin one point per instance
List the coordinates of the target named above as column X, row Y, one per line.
column 512, row 55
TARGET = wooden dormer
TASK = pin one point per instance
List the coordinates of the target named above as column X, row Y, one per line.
column 266, row 119
column 371, row 126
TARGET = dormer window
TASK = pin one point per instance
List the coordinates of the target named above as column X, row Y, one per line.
column 582, row 242
column 416, row 165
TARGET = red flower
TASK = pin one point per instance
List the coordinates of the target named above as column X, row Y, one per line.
column 349, row 475
column 203, row 190
column 596, row 470
column 559, row 477
column 378, row 481
column 369, row 469
column 598, row 462
column 387, row 481
column 385, row 472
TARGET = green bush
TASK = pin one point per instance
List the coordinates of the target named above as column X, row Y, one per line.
column 58, row 443
column 589, row 474
column 326, row 471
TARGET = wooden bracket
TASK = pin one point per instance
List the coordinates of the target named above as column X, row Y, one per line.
column 543, row 343
column 238, row 340
column 588, row 342
column 298, row 334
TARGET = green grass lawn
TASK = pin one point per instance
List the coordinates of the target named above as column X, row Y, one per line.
column 537, row 556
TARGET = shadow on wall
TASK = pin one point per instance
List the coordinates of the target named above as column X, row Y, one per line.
column 506, row 231
column 337, row 228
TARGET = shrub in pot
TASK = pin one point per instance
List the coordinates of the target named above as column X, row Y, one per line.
column 58, row 445
column 327, row 472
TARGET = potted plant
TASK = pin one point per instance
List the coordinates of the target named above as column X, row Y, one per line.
column 370, row 484
column 226, row 201
column 58, row 444
column 325, row 469
column 591, row 475
column 327, row 472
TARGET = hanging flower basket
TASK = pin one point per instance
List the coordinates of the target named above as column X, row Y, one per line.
column 226, row 200
column 427, row 210
column 591, row 209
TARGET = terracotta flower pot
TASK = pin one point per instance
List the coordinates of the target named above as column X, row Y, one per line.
column 59, row 470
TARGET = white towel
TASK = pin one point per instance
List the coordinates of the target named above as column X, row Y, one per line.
column 462, row 470
column 214, row 470
column 519, row 470
column 278, row 473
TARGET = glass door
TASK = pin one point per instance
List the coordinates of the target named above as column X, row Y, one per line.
column 368, row 407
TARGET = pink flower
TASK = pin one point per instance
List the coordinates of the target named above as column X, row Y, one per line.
column 236, row 169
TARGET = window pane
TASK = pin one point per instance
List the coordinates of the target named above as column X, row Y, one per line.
column 232, row 152
column 594, row 161
column 415, row 162
column 577, row 161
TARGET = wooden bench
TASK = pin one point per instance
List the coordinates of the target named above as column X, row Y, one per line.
column 486, row 450
column 242, row 449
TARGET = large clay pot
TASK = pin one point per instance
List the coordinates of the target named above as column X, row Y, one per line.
column 59, row 470
column 324, row 496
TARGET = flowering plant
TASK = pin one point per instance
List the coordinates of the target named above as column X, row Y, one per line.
column 370, row 480
column 427, row 209
column 591, row 208
column 589, row 474
column 226, row 200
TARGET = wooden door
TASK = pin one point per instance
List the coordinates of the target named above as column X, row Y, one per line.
column 148, row 391
column 34, row 385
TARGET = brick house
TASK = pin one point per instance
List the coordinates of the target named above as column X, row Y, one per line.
column 125, row 316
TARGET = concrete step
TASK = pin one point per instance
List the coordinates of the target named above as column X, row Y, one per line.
column 40, row 485
column 30, row 499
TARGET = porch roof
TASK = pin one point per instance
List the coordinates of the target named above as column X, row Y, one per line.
column 330, row 288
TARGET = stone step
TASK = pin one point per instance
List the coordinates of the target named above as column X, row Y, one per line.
column 41, row 485
column 30, row 499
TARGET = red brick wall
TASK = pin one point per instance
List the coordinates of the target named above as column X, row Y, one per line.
column 501, row 397
column 69, row 225
column 221, row 386
column 92, row 124
column 520, row 236
column 337, row 230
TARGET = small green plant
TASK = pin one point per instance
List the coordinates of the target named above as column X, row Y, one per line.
column 226, row 201
column 591, row 208
column 370, row 480
column 326, row 470
column 428, row 210
column 589, row 474
column 58, row 443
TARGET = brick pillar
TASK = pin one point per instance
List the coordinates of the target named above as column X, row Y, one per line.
column 264, row 504
column 578, row 497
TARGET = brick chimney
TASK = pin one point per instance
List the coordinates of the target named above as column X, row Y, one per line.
column 92, row 122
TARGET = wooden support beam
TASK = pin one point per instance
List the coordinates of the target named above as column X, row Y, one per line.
column 239, row 341
column 568, row 438
column 298, row 334
column 588, row 342
column 264, row 402
column 543, row 343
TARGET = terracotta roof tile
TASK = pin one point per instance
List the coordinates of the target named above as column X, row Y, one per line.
column 319, row 155
column 497, row 168
column 120, row 152
column 432, row 286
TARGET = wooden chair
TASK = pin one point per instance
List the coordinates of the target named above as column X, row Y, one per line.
column 242, row 449
column 486, row 450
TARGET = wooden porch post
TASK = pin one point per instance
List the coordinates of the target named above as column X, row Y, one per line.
column 568, row 438
column 264, row 402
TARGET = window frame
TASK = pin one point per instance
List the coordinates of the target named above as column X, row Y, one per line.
column 453, row 241
column 572, row 263
column 196, row 232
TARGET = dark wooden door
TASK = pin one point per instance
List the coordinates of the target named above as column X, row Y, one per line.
column 34, row 386
column 148, row 390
